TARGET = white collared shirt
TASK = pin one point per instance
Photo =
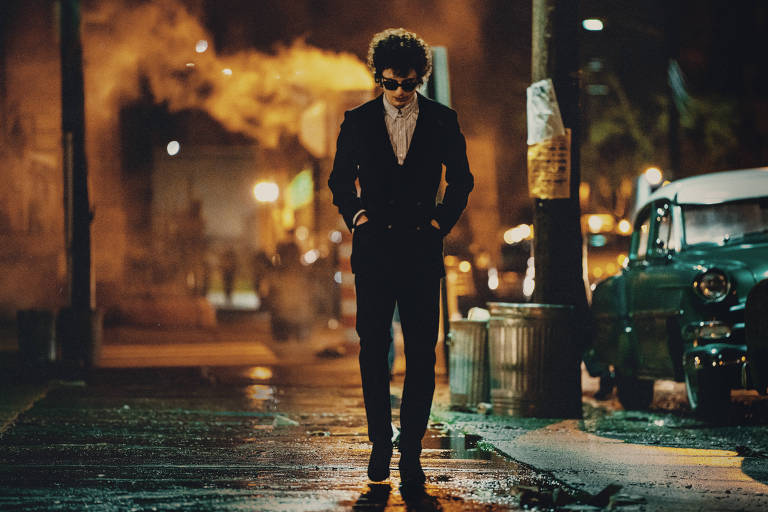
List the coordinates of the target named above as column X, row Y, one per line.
column 401, row 122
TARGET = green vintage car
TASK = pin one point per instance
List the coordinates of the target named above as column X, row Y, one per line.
column 677, row 308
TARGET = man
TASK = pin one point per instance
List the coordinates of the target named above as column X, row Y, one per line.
column 395, row 147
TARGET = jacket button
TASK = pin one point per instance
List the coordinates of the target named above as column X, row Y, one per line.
column 391, row 202
column 389, row 226
column 418, row 228
column 418, row 204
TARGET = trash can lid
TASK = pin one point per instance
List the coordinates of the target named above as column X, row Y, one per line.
column 527, row 308
column 524, row 305
column 467, row 321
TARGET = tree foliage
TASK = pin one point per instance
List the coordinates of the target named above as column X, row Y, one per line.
column 623, row 136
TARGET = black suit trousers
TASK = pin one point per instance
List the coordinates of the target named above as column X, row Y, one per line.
column 417, row 296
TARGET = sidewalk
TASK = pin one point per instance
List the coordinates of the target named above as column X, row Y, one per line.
column 243, row 342
column 656, row 477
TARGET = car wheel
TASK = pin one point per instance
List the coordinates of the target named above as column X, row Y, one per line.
column 634, row 393
column 708, row 393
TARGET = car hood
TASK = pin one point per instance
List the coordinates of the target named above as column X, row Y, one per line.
column 737, row 257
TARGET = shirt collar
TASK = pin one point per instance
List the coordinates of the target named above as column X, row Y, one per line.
column 408, row 110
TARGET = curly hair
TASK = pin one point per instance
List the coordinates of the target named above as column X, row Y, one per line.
column 400, row 50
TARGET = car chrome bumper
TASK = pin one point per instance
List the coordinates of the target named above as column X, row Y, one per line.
column 704, row 333
column 714, row 355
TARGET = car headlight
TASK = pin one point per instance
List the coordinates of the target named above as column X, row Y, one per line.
column 712, row 285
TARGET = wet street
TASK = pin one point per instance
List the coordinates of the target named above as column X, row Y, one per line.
column 281, row 426
column 278, row 437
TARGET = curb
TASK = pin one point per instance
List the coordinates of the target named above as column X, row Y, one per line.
column 558, row 494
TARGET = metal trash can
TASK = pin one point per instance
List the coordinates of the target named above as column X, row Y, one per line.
column 36, row 337
column 468, row 363
column 534, row 364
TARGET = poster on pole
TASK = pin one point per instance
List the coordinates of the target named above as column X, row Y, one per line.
column 549, row 144
column 549, row 168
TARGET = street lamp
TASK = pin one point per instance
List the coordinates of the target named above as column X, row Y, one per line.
column 653, row 176
column 173, row 148
column 645, row 184
column 266, row 192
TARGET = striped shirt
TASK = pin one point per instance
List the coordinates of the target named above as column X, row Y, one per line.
column 401, row 123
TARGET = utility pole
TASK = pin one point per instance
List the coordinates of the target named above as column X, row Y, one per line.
column 77, row 206
column 557, row 222
column 557, row 242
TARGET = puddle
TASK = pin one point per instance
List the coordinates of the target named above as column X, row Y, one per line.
column 458, row 445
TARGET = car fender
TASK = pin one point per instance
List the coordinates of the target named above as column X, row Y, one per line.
column 609, row 318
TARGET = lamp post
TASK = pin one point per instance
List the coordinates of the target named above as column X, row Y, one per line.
column 80, row 339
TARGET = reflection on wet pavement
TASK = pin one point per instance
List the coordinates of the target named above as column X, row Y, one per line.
column 252, row 438
column 456, row 445
column 291, row 437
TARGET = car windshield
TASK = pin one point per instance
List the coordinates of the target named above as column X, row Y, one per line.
column 725, row 223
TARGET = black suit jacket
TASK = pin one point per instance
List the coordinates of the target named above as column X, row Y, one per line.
column 400, row 200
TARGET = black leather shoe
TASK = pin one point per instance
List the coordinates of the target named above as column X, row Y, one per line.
column 411, row 473
column 378, row 464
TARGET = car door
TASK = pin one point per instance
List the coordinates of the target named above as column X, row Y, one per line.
column 654, row 291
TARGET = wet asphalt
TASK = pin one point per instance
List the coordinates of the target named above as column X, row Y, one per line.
column 282, row 437
column 289, row 434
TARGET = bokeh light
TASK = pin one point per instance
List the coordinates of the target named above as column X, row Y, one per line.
column 266, row 192
column 173, row 148
column 592, row 24
column 653, row 176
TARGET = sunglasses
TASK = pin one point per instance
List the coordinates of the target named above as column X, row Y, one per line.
column 391, row 84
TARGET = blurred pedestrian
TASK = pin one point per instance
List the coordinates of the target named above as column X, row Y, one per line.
column 289, row 296
column 228, row 272
column 261, row 265
column 395, row 147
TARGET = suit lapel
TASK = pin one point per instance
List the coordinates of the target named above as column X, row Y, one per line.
column 421, row 126
column 379, row 136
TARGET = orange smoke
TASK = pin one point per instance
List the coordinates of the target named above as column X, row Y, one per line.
column 261, row 95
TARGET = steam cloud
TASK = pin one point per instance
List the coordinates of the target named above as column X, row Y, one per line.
column 261, row 95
